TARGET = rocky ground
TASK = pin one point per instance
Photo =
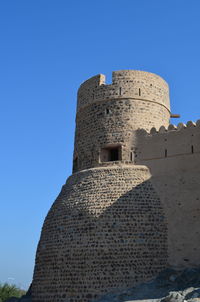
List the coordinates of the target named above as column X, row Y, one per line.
column 169, row 286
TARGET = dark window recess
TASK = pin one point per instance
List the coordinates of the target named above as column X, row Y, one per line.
column 114, row 154
column 120, row 91
column 139, row 92
column 110, row 154
column 192, row 149
column 165, row 152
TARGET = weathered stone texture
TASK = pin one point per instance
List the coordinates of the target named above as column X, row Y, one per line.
column 110, row 114
column 114, row 221
column 173, row 157
column 105, row 231
column 134, row 84
column 97, row 128
column 181, row 140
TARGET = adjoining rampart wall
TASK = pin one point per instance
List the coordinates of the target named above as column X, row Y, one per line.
column 174, row 141
column 173, row 158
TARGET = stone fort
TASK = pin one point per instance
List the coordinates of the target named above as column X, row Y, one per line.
column 131, row 207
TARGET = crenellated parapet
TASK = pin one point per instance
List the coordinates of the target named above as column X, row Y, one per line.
column 171, row 127
column 131, row 84
column 168, row 142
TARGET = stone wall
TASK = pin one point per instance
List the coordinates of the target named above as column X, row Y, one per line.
column 107, row 115
column 173, row 157
column 172, row 142
column 134, row 84
column 105, row 231
column 110, row 123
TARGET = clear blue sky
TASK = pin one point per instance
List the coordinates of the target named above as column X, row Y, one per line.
column 48, row 47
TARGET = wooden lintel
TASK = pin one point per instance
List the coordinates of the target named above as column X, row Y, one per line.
column 175, row 115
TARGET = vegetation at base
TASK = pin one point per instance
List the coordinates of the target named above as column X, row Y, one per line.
column 7, row 291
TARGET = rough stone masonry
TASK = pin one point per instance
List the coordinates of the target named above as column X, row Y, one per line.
column 131, row 207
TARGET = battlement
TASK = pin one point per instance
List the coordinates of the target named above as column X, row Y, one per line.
column 173, row 141
column 171, row 127
column 130, row 84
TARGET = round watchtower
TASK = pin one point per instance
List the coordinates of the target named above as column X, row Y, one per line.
column 106, row 231
column 108, row 115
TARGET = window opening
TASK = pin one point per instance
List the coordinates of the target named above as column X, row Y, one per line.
column 114, row 154
column 120, row 91
column 192, row 149
column 110, row 154
column 165, row 152
column 139, row 92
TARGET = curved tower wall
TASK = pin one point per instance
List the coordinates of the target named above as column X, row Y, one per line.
column 108, row 115
column 106, row 230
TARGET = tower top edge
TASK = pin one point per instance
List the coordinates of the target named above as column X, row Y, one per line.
column 122, row 75
column 133, row 84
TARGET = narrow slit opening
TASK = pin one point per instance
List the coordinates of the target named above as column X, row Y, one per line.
column 107, row 111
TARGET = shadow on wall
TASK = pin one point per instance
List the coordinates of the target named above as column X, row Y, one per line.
column 93, row 243
column 169, row 285
column 173, row 158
